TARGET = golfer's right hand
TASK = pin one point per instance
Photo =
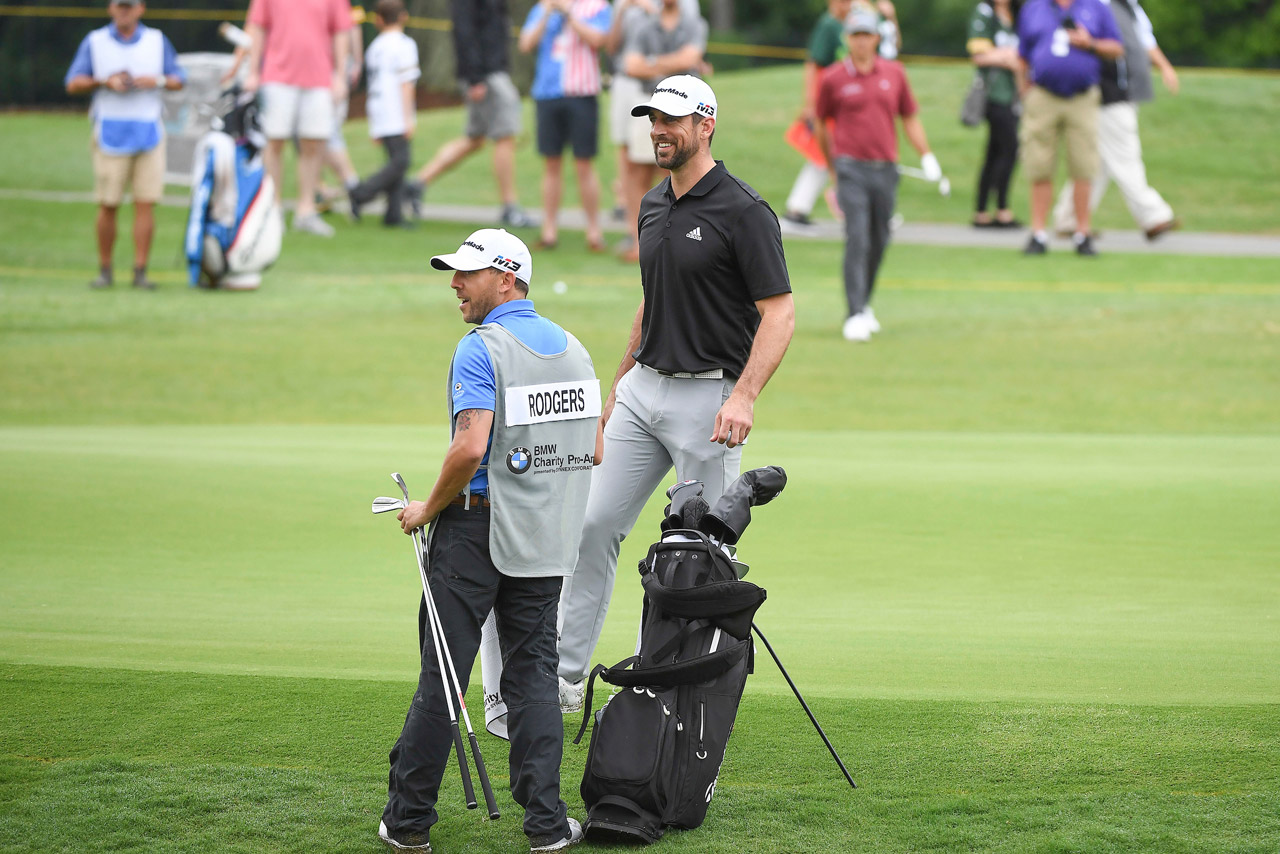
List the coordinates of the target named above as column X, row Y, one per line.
column 413, row 516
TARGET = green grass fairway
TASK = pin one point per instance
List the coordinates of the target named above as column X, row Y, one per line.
column 1026, row 571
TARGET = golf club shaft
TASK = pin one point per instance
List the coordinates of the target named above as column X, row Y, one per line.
column 433, row 614
column 436, row 640
column 804, row 705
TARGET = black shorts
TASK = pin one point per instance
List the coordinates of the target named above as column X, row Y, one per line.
column 569, row 121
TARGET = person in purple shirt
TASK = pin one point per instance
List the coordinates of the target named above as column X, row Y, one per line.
column 125, row 65
column 1062, row 44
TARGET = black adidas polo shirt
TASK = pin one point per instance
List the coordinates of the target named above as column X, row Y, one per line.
column 704, row 261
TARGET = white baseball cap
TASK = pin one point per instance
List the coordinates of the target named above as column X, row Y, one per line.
column 489, row 247
column 862, row 21
column 681, row 95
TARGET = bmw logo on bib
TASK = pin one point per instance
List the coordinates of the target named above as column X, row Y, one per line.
column 518, row 460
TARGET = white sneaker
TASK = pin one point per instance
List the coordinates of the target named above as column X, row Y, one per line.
column 574, row 837
column 872, row 323
column 856, row 328
column 571, row 694
column 313, row 224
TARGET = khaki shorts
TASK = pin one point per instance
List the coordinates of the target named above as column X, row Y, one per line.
column 1048, row 121
column 625, row 93
column 639, row 143
column 498, row 115
column 114, row 173
column 289, row 111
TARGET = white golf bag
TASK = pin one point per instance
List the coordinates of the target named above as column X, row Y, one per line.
column 235, row 227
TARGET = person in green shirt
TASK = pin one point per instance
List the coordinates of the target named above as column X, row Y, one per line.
column 993, row 46
column 826, row 47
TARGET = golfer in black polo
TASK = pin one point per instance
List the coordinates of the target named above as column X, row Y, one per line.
column 714, row 322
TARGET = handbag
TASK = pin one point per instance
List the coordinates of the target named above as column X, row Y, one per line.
column 974, row 107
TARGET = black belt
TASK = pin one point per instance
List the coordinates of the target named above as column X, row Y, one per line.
column 477, row 501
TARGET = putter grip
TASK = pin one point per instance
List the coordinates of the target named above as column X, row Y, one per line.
column 490, row 803
column 467, row 789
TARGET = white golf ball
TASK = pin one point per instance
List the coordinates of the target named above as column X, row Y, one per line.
column 559, row 288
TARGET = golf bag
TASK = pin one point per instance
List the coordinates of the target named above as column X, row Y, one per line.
column 657, row 745
column 235, row 227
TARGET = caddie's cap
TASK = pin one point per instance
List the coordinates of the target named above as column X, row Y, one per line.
column 489, row 247
column 861, row 21
column 681, row 95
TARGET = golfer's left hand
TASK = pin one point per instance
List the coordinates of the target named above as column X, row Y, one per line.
column 733, row 422
column 413, row 516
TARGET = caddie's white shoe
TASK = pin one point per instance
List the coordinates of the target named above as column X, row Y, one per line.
column 571, row 694
column 856, row 328
column 574, row 837
column 872, row 323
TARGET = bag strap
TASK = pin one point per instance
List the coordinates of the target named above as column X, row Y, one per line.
column 704, row 668
column 599, row 670
column 731, row 605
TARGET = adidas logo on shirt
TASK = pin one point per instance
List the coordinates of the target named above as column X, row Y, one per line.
column 696, row 234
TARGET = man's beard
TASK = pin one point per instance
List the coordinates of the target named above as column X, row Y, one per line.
column 679, row 156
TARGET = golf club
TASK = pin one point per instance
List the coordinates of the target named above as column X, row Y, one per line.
column 384, row 504
column 442, row 642
column 944, row 185
column 467, row 788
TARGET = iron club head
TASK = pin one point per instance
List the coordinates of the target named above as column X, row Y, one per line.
column 399, row 480
column 383, row 504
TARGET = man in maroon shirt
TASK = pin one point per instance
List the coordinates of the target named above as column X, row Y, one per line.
column 862, row 94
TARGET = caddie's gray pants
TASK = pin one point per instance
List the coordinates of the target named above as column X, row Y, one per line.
column 658, row 422
column 867, row 192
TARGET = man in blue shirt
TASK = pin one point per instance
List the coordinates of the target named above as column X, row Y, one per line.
column 1062, row 44
column 503, row 536
column 125, row 65
column 568, row 35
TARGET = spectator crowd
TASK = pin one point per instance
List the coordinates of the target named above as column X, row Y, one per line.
column 1054, row 79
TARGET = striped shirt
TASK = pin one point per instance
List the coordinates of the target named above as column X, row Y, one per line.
column 567, row 66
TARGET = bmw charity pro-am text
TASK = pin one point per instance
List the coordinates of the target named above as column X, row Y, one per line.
column 549, row 459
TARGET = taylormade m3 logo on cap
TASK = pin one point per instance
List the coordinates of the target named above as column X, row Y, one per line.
column 506, row 264
column 705, row 109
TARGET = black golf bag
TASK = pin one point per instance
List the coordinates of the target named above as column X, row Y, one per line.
column 657, row 745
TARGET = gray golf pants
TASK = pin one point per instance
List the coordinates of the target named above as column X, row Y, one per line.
column 658, row 422
column 867, row 192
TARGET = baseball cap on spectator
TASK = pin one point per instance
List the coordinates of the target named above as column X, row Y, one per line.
column 681, row 95
column 489, row 247
column 861, row 21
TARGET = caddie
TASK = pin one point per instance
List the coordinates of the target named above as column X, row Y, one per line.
column 125, row 65
column 505, row 515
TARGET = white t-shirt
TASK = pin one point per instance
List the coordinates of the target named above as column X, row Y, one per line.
column 391, row 60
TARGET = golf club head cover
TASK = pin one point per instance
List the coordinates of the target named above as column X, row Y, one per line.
column 680, row 494
column 732, row 513
column 694, row 509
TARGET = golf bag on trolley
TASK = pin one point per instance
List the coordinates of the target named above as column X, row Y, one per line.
column 235, row 227
column 657, row 745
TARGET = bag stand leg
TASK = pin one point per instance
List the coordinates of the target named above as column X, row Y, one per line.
column 803, row 704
